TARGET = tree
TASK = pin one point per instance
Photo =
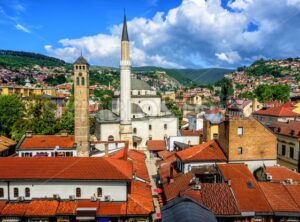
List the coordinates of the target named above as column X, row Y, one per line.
column 67, row 119
column 11, row 110
column 226, row 89
column 274, row 92
column 171, row 105
column 39, row 118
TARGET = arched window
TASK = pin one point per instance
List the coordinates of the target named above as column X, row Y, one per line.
column 150, row 127
column 76, row 67
column 82, row 81
column 134, row 130
column 16, row 192
column 78, row 192
column 99, row 192
column 83, row 67
column 1, row 192
column 165, row 126
column 111, row 138
column 27, row 192
column 77, row 81
column 149, row 108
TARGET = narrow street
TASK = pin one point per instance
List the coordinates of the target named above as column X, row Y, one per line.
column 150, row 162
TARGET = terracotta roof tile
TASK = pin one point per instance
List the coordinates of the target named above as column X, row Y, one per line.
column 168, row 161
column 48, row 142
column 41, row 208
column 112, row 209
column 67, row 208
column 180, row 184
column 88, row 204
column 5, row 143
column 2, row 205
column 65, row 168
column 246, row 190
column 280, row 173
column 278, row 197
column 156, row 145
column 165, row 173
column 209, row 151
column 139, row 199
column 294, row 191
column 164, row 154
column 139, row 165
column 280, row 111
column 191, row 132
column 15, row 209
column 217, row 197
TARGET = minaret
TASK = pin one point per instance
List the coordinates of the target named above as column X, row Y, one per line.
column 125, row 96
column 81, row 96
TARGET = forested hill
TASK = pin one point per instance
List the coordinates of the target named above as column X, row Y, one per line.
column 188, row 76
column 19, row 59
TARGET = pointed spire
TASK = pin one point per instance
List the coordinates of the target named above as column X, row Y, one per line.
column 125, row 33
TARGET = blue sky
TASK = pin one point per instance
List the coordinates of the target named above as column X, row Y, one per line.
column 169, row 33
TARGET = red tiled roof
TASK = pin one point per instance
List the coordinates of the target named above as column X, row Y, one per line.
column 278, row 197
column 156, row 145
column 294, row 191
column 191, row 132
column 165, row 173
column 139, row 199
column 280, row 111
column 280, row 173
column 5, row 143
column 209, row 151
column 168, row 161
column 67, row 208
column 2, row 205
column 66, row 168
column 164, row 154
column 139, row 165
column 286, row 128
column 14, row 209
column 42, row 208
column 180, row 184
column 246, row 190
column 217, row 197
column 112, row 209
column 88, row 204
column 213, row 111
column 48, row 142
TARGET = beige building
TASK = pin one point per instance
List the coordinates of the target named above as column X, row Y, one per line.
column 26, row 91
column 245, row 140
column 288, row 144
column 81, row 95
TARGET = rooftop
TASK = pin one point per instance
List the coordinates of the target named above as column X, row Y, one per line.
column 209, row 151
column 47, row 142
column 280, row 174
column 67, row 168
column 156, row 145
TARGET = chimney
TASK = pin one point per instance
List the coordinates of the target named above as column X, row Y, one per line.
column 254, row 104
column 106, row 149
column 229, row 182
column 28, row 134
column 125, row 156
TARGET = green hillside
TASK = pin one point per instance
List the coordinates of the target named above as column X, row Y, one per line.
column 18, row 59
column 188, row 76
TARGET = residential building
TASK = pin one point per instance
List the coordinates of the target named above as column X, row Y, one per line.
column 243, row 108
column 46, row 145
column 211, row 126
column 26, row 91
column 288, row 143
column 246, row 140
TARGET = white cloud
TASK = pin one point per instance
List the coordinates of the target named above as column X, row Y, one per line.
column 22, row 28
column 239, row 4
column 230, row 57
column 198, row 33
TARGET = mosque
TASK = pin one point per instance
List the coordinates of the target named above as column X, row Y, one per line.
column 138, row 113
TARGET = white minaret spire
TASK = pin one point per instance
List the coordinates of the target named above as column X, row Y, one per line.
column 125, row 96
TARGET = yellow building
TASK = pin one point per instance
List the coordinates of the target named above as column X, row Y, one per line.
column 26, row 91
column 297, row 108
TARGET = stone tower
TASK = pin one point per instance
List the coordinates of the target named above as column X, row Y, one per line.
column 81, row 96
column 125, row 96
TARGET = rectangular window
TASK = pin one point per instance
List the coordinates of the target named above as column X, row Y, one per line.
column 215, row 136
column 240, row 150
column 283, row 150
column 292, row 152
column 16, row 192
column 240, row 131
column 1, row 192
